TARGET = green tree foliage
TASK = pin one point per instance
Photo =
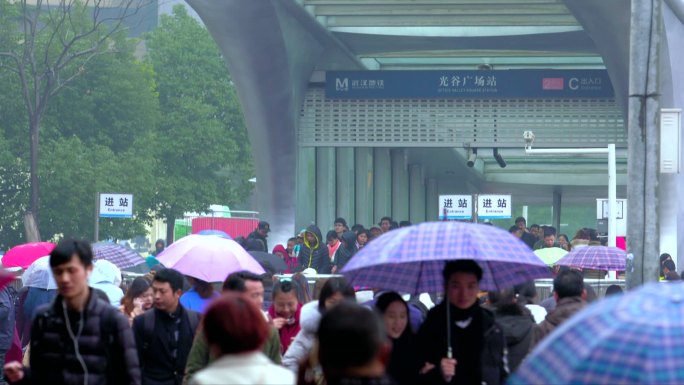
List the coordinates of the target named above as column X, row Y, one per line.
column 202, row 142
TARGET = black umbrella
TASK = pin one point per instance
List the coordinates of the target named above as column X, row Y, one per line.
column 271, row 260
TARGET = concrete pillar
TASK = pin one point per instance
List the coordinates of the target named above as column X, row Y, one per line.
column 325, row 188
column 668, row 206
column 557, row 195
column 416, row 194
column 382, row 178
column 345, row 184
column 400, row 185
column 431, row 197
column 305, row 188
column 364, row 186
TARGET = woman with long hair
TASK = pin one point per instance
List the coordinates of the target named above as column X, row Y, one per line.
column 402, row 368
column 138, row 298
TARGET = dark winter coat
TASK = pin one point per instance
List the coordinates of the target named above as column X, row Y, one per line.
column 30, row 298
column 255, row 235
column 105, row 344
column 346, row 250
column 565, row 308
column 432, row 347
column 518, row 330
column 155, row 352
column 314, row 255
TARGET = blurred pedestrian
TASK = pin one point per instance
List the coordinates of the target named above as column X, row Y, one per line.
column 285, row 312
column 29, row 300
column 362, row 238
column 313, row 253
column 613, row 290
column 353, row 346
column 564, row 242
column 261, row 233
column 334, row 291
column 290, row 261
column 159, row 246
column 138, row 299
column 375, row 232
column 478, row 342
column 164, row 334
column 200, row 294
column 385, row 224
column 340, row 226
column 333, row 243
column 517, row 324
column 77, row 324
column 345, row 252
column 303, row 289
column 403, row 366
column 569, row 293
column 663, row 257
column 526, row 295
column 236, row 331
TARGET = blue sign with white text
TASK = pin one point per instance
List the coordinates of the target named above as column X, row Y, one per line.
column 468, row 84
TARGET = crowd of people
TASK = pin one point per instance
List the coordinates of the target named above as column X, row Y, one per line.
column 266, row 329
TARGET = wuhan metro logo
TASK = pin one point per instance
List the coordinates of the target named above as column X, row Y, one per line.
column 342, row 84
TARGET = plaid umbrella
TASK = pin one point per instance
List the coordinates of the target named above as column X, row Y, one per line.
column 411, row 259
column 119, row 255
column 550, row 255
column 595, row 257
column 633, row 338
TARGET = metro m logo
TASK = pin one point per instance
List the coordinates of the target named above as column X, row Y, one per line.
column 341, row 84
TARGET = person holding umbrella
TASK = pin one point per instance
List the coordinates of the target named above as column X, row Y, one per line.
column 472, row 348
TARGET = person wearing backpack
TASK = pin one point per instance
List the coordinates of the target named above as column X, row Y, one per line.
column 78, row 338
column 164, row 334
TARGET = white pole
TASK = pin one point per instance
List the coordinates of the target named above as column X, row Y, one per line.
column 612, row 196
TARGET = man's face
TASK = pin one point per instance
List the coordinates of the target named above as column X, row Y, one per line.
column 339, row 228
column 375, row 232
column 518, row 233
column 300, row 240
column 462, row 289
column 71, row 277
column 535, row 231
column 254, row 290
column 385, row 225
column 165, row 299
column 290, row 247
column 521, row 225
column 310, row 238
column 549, row 240
column 263, row 232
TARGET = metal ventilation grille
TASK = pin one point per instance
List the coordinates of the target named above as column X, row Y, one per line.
column 458, row 122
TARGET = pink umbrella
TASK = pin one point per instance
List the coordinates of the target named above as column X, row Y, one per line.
column 210, row 259
column 24, row 255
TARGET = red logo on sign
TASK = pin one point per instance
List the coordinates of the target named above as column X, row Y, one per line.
column 552, row 83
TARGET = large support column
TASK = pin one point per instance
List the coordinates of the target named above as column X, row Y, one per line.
column 364, row 186
column 345, row 184
column 668, row 206
column 325, row 188
column 416, row 194
column 400, row 185
column 431, row 204
column 305, row 188
column 382, row 195
column 557, row 196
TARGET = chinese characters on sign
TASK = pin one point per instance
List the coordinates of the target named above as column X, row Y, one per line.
column 467, row 84
column 116, row 205
column 455, row 207
column 493, row 206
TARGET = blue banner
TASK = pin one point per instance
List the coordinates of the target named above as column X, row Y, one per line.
column 468, row 84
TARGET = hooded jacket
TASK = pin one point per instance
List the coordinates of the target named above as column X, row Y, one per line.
column 518, row 330
column 291, row 262
column 309, row 318
column 565, row 308
column 314, row 255
column 346, row 250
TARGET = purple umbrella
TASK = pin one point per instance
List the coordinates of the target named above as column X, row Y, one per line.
column 595, row 257
column 411, row 259
column 210, row 259
column 120, row 256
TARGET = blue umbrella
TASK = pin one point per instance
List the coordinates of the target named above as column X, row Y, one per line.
column 633, row 338
column 411, row 259
column 217, row 233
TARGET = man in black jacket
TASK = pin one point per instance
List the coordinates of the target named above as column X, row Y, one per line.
column 78, row 338
column 164, row 334
column 261, row 233
column 477, row 341
column 314, row 252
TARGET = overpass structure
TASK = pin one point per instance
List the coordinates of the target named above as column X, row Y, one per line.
column 319, row 155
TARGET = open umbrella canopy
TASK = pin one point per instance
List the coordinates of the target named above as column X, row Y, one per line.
column 275, row 261
column 411, row 259
column 632, row 338
column 208, row 258
column 121, row 256
column 105, row 272
column 595, row 257
column 24, row 255
column 39, row 275
column 217, row 233
column 550, row 255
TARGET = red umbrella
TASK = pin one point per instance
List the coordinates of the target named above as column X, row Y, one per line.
column 24, row 255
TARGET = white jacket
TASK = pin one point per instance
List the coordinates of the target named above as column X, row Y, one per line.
column 299, row 349
column 239, row 369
